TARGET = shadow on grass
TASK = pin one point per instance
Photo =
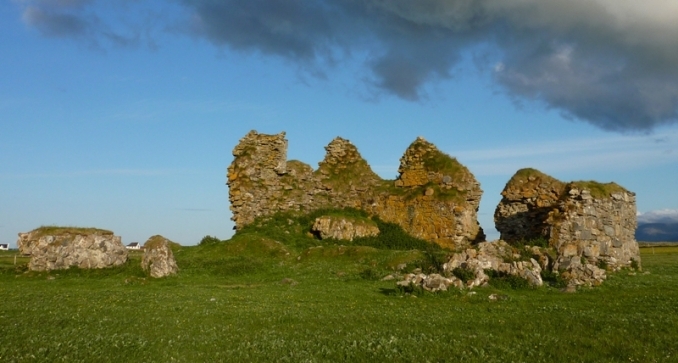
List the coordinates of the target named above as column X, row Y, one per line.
column 388, row 292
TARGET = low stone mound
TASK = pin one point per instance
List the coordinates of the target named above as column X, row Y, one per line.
column 344, row 228
column 57, row 248
column 496, row 256
column 158, row 260
column 499, row 256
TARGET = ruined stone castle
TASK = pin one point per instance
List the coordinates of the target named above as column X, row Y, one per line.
column 436, row 198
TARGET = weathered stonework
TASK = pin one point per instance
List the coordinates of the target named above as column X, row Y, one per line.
column 588, row 223
column 56, row 248
column 527, row 200
column 434, row 198
column 158, row 260
column 497, row 256
column 343, row 228
column 596, row 227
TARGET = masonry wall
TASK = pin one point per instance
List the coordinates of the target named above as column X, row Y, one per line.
column 434, row 198
column 600, row 228
column 588, row 220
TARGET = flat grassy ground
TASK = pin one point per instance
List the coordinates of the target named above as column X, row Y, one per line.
column 239, row 302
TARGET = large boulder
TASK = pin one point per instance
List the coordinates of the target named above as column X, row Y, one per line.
column 158, row 260
column 344, row 228
column 56, row 248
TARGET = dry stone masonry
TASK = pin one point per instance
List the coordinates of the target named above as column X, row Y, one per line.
column 57, row 248
column 434, row 198
column 595, row 224
column 590, row 225
column 158, row 260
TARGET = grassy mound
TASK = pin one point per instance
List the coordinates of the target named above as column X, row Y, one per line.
column 599, row 190
column 59, row 230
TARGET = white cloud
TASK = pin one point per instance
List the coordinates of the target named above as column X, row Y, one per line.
column 659, row 216
column 586, row 154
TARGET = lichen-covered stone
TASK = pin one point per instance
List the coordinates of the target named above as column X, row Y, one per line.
column 589, row 224
column 435, row 198
column 343, row 228
column 57, row 248
column 527, row 200
column 158, row 260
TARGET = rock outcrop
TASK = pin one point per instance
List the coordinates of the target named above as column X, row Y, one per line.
column 589, row 224
column 56, row 248
column 434, row 198
column 158, row 260
column 343, row 228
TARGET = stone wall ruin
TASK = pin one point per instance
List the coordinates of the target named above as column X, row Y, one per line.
column 434, row 198
column 588, row 223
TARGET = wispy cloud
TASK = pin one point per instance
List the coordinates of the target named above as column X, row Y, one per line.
column 659, row 216
column 614, row 152
column 611, row 152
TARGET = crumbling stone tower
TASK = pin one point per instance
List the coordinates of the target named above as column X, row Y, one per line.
column 588, row 221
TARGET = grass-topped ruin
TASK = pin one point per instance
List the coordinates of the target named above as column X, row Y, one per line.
column 434, row 198
column 579, row 228
column 586, row 222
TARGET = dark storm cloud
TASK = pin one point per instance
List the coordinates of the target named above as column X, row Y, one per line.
column 296, row 29
column 77, row 19
column 613, row 63
column 56, row 23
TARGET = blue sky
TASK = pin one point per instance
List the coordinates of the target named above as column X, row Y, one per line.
column 123, row 115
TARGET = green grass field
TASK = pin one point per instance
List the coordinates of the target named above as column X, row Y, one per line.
column 252, row 299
